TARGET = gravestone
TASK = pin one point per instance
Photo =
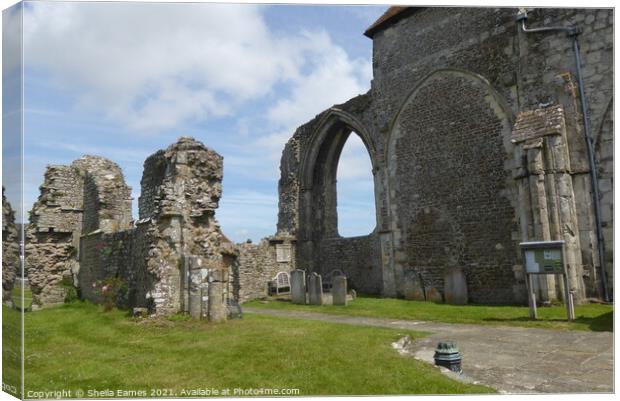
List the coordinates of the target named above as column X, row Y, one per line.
column 455, row 287
column 433, row 295
column 298, row 287
column 413, row 289
column 315, row 289
column 339, row 290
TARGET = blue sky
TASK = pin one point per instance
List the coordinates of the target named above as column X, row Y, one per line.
column 123, row 80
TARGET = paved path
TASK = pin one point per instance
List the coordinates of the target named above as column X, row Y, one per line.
column 509, row 359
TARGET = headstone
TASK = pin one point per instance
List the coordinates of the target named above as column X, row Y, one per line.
column 433, row 295
column 455, row 287
column 234, row 309
column 339, row 290
column 413, row 289
column 298, row 287
column 315, row 289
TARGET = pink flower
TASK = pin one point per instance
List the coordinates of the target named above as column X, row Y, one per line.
column 94, row 285
column 104, row 288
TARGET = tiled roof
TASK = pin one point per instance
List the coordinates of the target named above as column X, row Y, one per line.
column 392, row 15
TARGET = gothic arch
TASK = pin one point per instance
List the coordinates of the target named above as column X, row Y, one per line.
column 317, row 204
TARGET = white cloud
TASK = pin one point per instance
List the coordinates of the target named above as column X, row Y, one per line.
column 151, row 66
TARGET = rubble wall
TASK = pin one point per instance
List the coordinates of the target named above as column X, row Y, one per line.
column 52, row 237
column 255, row 266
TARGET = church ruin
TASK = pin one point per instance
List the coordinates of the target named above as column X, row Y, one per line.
column 174, row 258
column 474, row 129
column 477, row 140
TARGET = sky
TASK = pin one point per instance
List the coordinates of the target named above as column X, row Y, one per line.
column 122, row 80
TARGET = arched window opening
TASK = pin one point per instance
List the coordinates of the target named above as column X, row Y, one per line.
column 355, row 190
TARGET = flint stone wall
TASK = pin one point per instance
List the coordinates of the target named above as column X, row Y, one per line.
column 58, row 219
column 450, row 188
column 255, row 266
column 181, row 187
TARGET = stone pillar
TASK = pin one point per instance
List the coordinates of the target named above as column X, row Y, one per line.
column 298, row 287
column 315, row 289
column 455, row 287
column 339, row 290
column 216, row 304
column 195, row 294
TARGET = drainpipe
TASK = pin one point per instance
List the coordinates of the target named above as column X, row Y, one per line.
column 573, row 32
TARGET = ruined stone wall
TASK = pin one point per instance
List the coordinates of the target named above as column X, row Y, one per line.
column 87, row 196
column 52, row 237
column 452, row 189
column 10, row 248
column 182, row 210
column 256, row 265
column 105, row 256
column 107, row 199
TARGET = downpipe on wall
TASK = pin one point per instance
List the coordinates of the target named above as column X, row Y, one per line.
column 573, row 32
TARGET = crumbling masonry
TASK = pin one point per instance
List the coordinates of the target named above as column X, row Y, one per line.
column 173, row 259
column 476, row 138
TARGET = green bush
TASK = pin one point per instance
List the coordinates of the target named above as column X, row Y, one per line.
column 71, row 293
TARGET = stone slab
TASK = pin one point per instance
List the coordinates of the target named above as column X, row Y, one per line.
column 298, row 287
column 339, row 290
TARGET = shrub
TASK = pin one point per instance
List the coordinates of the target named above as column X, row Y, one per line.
column 111, row 291
column 71, row 293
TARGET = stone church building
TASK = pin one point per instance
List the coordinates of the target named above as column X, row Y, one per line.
column 476, row 134
column 485, row 128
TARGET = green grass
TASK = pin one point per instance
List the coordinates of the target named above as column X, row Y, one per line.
column 11, row 350
column 21, row 299
column 79, row 346
column 593, row 317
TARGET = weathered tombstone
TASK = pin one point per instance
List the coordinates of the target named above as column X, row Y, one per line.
column 433, row 295
column 455, row 287
column 339, row 290
column 298, row 287
column 315, row 289
column 413, row 289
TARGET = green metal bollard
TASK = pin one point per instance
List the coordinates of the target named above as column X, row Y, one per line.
column 447, row 355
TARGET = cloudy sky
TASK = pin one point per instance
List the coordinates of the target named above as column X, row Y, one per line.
column 122, row 80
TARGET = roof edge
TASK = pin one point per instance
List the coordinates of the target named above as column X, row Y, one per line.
column 391, row 16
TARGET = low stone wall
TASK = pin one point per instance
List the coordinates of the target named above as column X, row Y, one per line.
column 255, row 266
column 105, row 256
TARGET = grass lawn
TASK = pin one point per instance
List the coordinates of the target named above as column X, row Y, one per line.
column 592, row 317
column 78, row 346
column 11, row 350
